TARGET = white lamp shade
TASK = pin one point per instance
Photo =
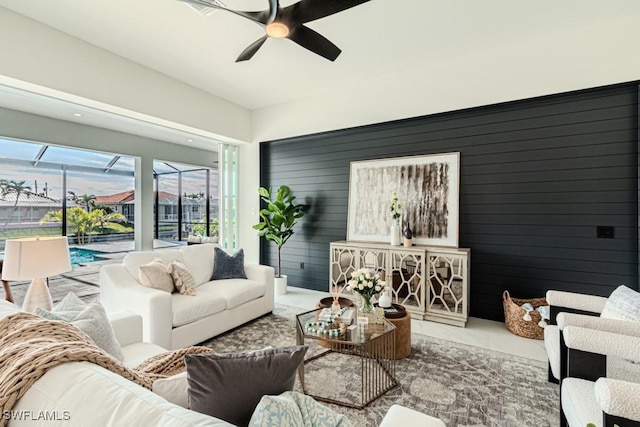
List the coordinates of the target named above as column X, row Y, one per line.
column 35, row 257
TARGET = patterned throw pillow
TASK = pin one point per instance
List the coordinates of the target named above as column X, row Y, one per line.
column 622, row 304
column 227, row 266
column 89, row 318
column 154, row 275
column 294, row 409
column 182, row 279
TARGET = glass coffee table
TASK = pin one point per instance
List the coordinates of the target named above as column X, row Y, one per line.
column 351, row 370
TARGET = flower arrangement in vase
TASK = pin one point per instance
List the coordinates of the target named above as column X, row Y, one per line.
column 367, row 285
column 396, row 212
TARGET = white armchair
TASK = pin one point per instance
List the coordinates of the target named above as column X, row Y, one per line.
column 566, row 302
column 587, row 396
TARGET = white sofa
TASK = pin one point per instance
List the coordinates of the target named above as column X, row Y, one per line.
column 82, row 393
column 174, row 320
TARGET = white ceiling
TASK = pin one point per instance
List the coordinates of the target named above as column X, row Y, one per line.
column 378, row 37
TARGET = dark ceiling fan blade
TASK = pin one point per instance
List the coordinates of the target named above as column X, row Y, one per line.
column 274, row 6
column 251, row 49
column 310, row 10
column 259, row 17
column 314, row 42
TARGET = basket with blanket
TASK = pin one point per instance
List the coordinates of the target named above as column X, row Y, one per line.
column 525, row 317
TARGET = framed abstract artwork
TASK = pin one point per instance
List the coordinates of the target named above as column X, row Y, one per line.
column 426, row 186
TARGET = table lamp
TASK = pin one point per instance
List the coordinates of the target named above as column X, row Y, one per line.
column 36, row 258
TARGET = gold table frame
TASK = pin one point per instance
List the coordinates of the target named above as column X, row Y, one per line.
column 375, row 345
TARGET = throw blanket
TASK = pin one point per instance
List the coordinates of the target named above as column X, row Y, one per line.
column 294, row 409
column 31, row 345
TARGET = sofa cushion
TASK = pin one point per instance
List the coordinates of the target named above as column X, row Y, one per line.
column 230, row 385
column 182, row 278
column 89, row 318
column 94, row 396
column 234, row 292
column 199, row 261
column 133, row 260
column 228, row 266
column 154, row 275
column 187, row 309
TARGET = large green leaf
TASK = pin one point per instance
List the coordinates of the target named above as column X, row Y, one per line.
column 263, row 192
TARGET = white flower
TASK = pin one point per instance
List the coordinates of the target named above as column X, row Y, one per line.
column 378, row 288
column 383, row 284
column 376, row 276
column 360, row 286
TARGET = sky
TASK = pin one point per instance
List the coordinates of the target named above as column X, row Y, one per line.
column 99, row 184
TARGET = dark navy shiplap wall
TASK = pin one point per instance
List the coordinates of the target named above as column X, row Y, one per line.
column 536, row 178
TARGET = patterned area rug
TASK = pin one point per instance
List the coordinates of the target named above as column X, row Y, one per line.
column 462, row 385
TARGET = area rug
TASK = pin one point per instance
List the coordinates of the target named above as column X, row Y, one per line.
column 462, row 385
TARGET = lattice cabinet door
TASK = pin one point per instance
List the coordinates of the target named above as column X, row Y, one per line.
column 448, row 286
column 342, row 262
column 406, row 279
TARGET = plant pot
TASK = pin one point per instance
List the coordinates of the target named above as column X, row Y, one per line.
column 280, row 284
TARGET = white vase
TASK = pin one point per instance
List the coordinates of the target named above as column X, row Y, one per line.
column 395, row 235
column 385, row 300
column 280, row 284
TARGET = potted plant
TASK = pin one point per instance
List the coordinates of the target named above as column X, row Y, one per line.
column 276, row 225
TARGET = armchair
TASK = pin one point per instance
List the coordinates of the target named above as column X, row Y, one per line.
column 586, row 395
column 566, row 302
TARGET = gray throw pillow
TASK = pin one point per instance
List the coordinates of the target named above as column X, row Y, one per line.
column 229, row 386
column 89, row 318
column 227, row 266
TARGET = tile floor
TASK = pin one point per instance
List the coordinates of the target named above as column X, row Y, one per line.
column 478, row 332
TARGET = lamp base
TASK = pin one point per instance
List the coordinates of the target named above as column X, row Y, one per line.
column 37, row 296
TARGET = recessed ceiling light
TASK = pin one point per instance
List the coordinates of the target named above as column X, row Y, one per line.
column 189, row 140
column 77, row 114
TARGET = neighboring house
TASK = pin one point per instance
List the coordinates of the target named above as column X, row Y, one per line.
column 30, row 208
column 193, row 210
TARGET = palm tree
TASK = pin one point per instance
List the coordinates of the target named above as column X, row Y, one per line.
column 102, row 217
column 9, row 186
column 87, row 200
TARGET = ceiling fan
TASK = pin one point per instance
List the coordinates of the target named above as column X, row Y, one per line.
column 288, row 22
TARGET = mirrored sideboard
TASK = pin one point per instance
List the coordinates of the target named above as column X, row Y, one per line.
column 432, row 283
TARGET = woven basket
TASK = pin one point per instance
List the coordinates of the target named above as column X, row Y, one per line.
column 513, row 316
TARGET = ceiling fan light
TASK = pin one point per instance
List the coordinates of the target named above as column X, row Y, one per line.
column 277, row 30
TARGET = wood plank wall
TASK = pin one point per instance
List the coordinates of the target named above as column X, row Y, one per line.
column 538, row 177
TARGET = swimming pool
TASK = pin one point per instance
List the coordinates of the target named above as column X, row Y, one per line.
column 83, row 256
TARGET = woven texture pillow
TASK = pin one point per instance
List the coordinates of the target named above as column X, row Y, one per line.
column 182, row 279
column 89, row 318
column 622, row 304
column 229, row 386
column 227, row 266
column 154, row 275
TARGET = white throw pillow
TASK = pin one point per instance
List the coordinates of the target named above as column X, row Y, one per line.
column 622, row 304
column 182, row 278
column 173, row 389
column 89, row 318
column 155, row 275
column 199, row 261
